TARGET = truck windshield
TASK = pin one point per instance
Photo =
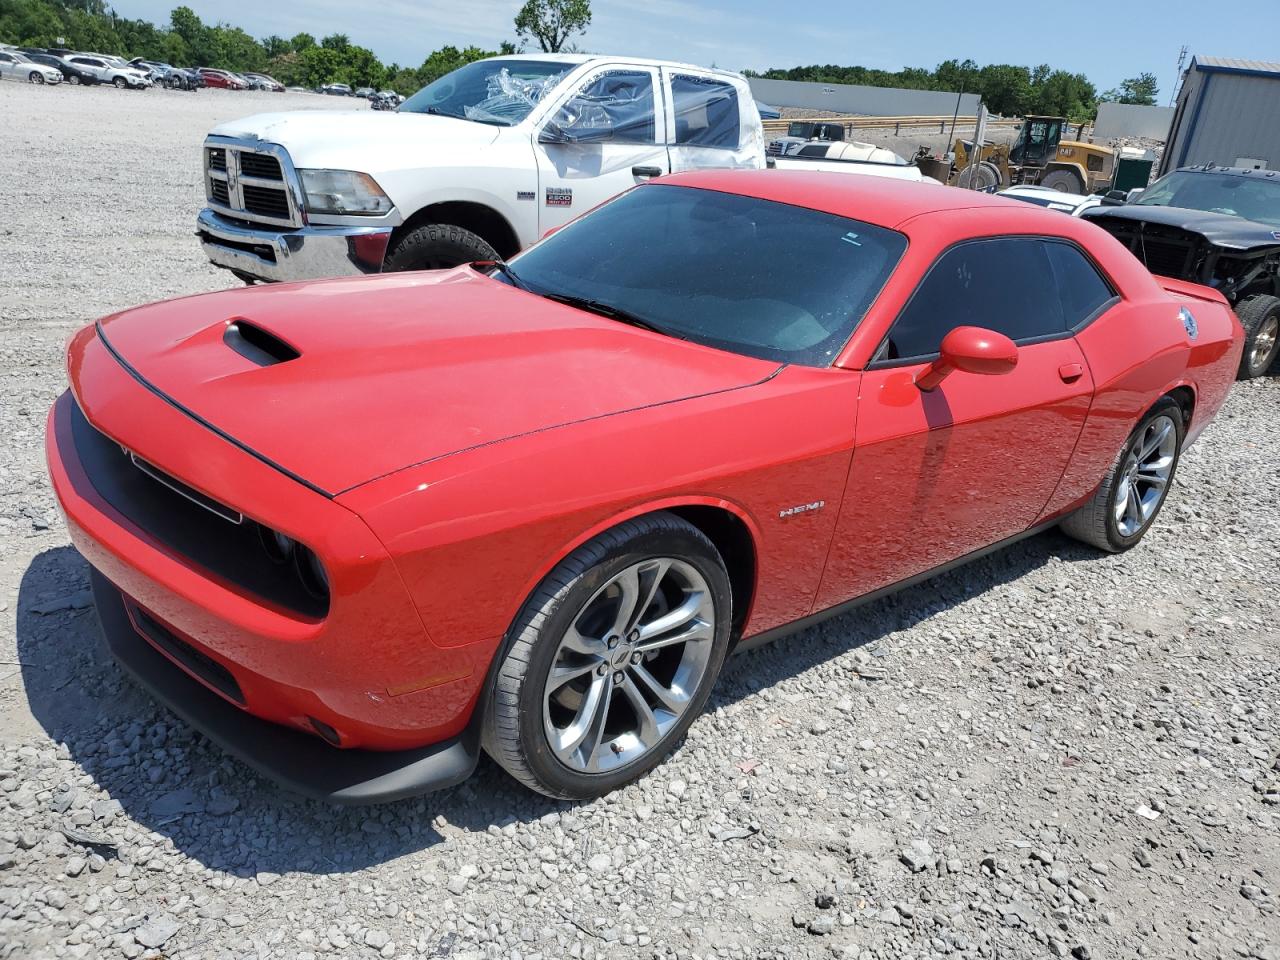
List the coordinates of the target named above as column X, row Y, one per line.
column 751, row 276
column 500, row 92
column 1254, row 198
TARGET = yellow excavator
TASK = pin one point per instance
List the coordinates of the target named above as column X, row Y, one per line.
column 1038, row 156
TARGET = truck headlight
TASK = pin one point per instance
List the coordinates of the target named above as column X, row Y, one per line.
column 343, row 193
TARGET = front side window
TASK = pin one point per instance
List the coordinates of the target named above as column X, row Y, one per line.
column 751, row 276
column 614, row 107
column 706, row 112
column 1008, row 285
column 498, row 92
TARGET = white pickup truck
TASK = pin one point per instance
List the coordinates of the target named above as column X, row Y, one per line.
column 475, row 166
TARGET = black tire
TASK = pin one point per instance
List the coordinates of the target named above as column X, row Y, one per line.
column 437, row 246
column 1096, row 523
column 1063, row 180
column 36, row 77
column 984, row 176
column 74, row 80
column 513, row 731
column 119, row 83
column 1260, row 317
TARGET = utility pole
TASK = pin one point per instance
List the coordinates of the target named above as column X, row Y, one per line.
column 1177, row 82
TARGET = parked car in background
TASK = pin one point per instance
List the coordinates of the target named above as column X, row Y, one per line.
column 157, row 71
column 265, row 82
column 336, row 90
column 365, row 92
column 72, row 74
column 1219, row 226
column 18, row 66
column 360, row 626
column 222, row 79
column 475, row 166
column 385, row 100
column 801, row 132
column 848, row 157
column 1072, row 204
column 107, row 72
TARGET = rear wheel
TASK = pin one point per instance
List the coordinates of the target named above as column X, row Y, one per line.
column 1131, row 495
column 611, row 659
column 437, row 246
column 1063, row 180
column 1260, row 317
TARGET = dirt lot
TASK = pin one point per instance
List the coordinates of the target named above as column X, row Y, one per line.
column 1049, row 753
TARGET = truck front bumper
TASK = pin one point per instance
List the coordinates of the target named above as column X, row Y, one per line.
column 275, row 254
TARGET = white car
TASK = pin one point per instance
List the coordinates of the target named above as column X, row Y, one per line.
column 849, row 156
column 1069, row 203
column 106, row 70
column 475, row 166
column 16, row 66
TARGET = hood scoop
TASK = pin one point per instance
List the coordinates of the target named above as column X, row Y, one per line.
column 257, row 344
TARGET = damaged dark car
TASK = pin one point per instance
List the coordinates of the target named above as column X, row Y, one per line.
column 1219, row 226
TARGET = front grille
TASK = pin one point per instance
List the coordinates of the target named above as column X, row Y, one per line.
column 261, row 165
column 195, row 662
column 1166, row 251
column 164, row 508
column 265, row 201
column 251, row 185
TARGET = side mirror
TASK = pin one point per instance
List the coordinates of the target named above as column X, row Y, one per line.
column 973, row 350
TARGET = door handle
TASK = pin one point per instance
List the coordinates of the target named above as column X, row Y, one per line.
column 1070, row 372
column 646, row 172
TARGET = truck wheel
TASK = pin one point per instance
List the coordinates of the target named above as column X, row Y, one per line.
column 611, row 659
column 437, row 246
column 1063, row 180
column 1260, row 317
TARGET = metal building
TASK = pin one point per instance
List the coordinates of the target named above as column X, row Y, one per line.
column 871, row 101
column 1228, row 113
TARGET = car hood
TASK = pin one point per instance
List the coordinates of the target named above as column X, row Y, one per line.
column 350, row 139
column 398, row 369
column 1220, row 229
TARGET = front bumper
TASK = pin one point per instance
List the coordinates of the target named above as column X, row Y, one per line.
column 299, row 762
column 283, row 254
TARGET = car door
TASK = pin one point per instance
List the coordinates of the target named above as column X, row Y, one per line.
column 705, row 129
column 8, row 67
column 605, row 137
column 939, row 474
column 94, row 67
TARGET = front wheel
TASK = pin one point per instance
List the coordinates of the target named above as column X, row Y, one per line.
column 437, row 246
column 36, row 77
column 1062, row 180
column 611, row 659
column 74, row 80
column 120, row 83
column 1260, row 317
column 1134, row 489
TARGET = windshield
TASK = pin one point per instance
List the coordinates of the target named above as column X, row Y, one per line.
column 1250, row 197
column 752, row 276
column 18, row 57
column 501, row 92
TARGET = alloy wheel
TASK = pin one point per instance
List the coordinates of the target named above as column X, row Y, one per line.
column 1264, row 342
column 629, row 665
column 1145, row 478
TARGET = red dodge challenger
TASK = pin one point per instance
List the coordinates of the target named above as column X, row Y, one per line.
column 357, row 530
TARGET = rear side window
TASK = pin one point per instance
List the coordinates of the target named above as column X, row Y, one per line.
column 706, row 112
column 1083, row 289
column 1026, row 288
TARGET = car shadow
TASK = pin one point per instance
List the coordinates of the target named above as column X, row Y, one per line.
column 170, row 780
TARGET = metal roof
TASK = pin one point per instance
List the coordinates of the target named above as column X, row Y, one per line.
column 1235, row 63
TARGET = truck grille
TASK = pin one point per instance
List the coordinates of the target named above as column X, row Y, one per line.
column 250, row 184
column 1168, row 258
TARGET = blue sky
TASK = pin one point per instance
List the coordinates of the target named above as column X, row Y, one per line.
column 736, row 34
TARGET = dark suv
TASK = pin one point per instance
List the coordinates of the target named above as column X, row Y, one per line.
column 1219, row 226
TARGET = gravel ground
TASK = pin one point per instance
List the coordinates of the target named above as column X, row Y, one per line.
column 1049, row 753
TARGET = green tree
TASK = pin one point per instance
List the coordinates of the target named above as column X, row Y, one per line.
column 302, row 41
column 552, row 22
column 1142, row 89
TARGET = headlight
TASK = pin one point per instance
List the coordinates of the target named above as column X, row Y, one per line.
column 343, row 192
